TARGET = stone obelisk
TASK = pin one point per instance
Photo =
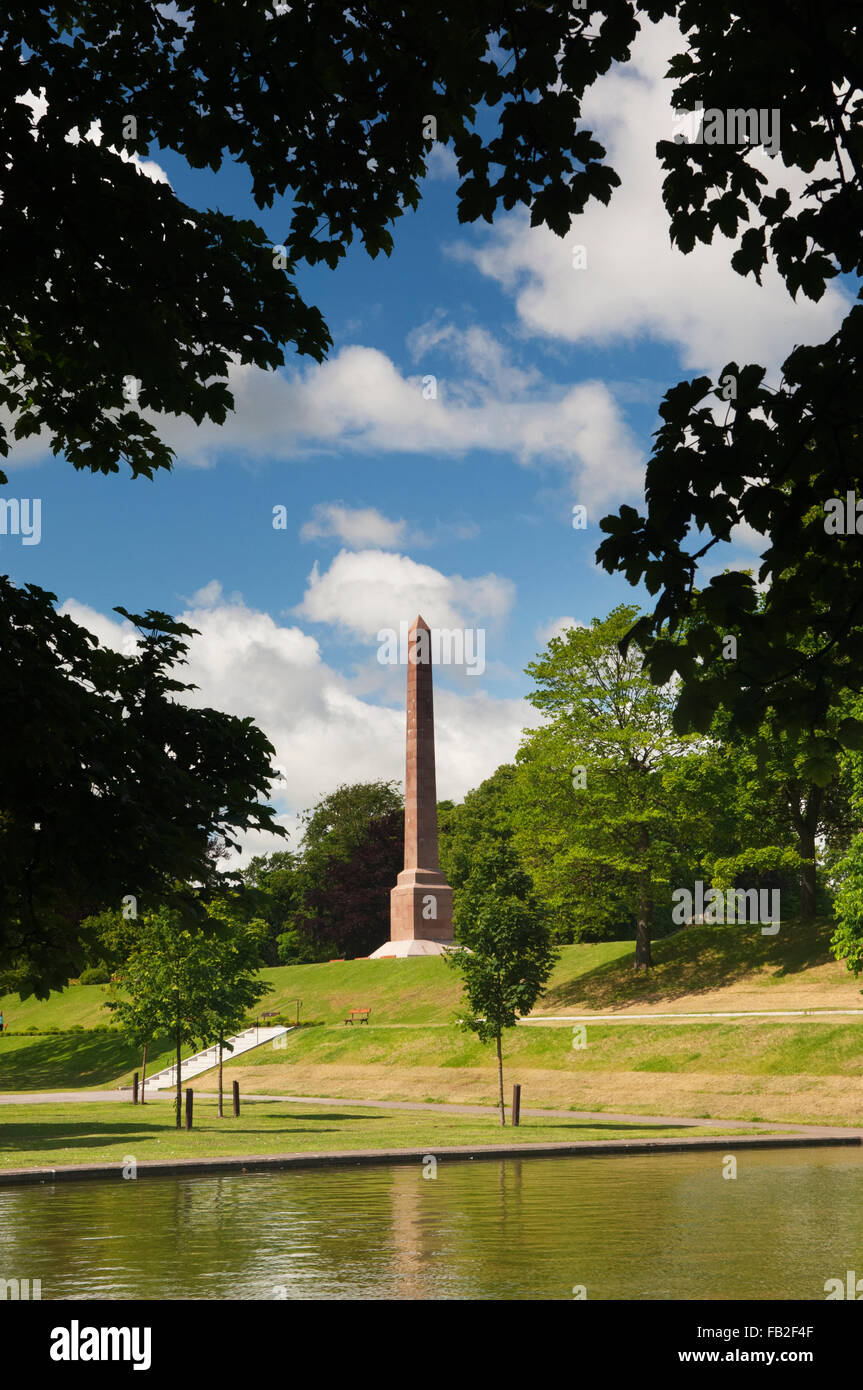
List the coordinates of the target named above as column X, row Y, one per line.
column 421, row 902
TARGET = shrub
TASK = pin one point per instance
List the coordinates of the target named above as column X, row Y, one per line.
column 95, row 975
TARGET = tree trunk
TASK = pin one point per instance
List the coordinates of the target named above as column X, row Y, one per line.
column 220, row 1077
column 179, row 1087
column 806, row 818
column 643, row 959
column 144, row 1073
column 644, row 919
column 808, row 880
column 500, row 1081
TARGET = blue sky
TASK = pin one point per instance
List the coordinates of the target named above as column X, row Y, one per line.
column 548, row 381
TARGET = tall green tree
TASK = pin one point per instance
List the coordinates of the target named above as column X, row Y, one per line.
column 485, row 813
column 776, row 805
column 846, row 873
column 235, row 953
column 745, row 450
column 332, row 895
column 172, row 982
column 509, row 954
column 272, row 891
column 141, row 1022
column 111, row 788
column 606, row 753
column 847, row 940
column 338, row 823
column 350, row 856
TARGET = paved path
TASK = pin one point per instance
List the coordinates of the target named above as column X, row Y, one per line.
column 578, row 1116
column 704, row 1013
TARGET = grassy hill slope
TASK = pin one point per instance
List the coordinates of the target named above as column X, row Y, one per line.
column 791, row 1069
column 419, row 990
column 704, row 968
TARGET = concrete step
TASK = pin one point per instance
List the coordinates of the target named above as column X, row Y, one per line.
column 199, row 1062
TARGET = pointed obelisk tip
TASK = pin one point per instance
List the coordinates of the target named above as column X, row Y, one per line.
column 420, row 622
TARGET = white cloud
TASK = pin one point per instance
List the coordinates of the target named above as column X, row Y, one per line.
column 356, row 526
column 476, row 349
column 555, row 628
column 208, row 596
column 441, row 162
column 635, row 284
column 149, row 167
column 360, row 401
column 365, row 591
column 748, row 538
column 39, row 105
column 112, row 632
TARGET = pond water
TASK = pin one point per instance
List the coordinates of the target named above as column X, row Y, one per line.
column 641, row 1227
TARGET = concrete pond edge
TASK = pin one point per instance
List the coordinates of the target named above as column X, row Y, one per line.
column 267, row 1163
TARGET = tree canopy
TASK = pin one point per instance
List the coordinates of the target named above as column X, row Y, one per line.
column 509, row 954
column 111, row 788
column 742, row 450
column 190, row 984
column 106, row 274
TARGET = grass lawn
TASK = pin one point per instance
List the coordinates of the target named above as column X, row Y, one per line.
column 785, row 1047
column 702, row 960
column 784, row 1071
column 421, row 991
column 76, row 1006
column 45, row 1135
column 63, row 1061
column 780, row 1069
column 71, row 1061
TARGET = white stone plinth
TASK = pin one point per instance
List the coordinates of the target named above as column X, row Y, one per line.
column 411, row 946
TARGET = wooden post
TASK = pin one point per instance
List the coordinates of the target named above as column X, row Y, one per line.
column 135, row 1089
column 190, row 1097
column 516, row 1104
column 236, row 1099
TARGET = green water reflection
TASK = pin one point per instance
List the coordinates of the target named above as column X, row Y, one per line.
column 652, row 1227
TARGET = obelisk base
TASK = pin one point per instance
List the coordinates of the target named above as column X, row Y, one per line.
column 421, row 906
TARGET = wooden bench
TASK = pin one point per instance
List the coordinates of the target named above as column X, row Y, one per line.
column 358, row 1016
column 274, row 1013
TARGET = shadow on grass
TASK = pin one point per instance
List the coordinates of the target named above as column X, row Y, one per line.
column 36, row 1136
column 64, row 1061
column 61, row 1137
column 694, row 961
column 74, row 1134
